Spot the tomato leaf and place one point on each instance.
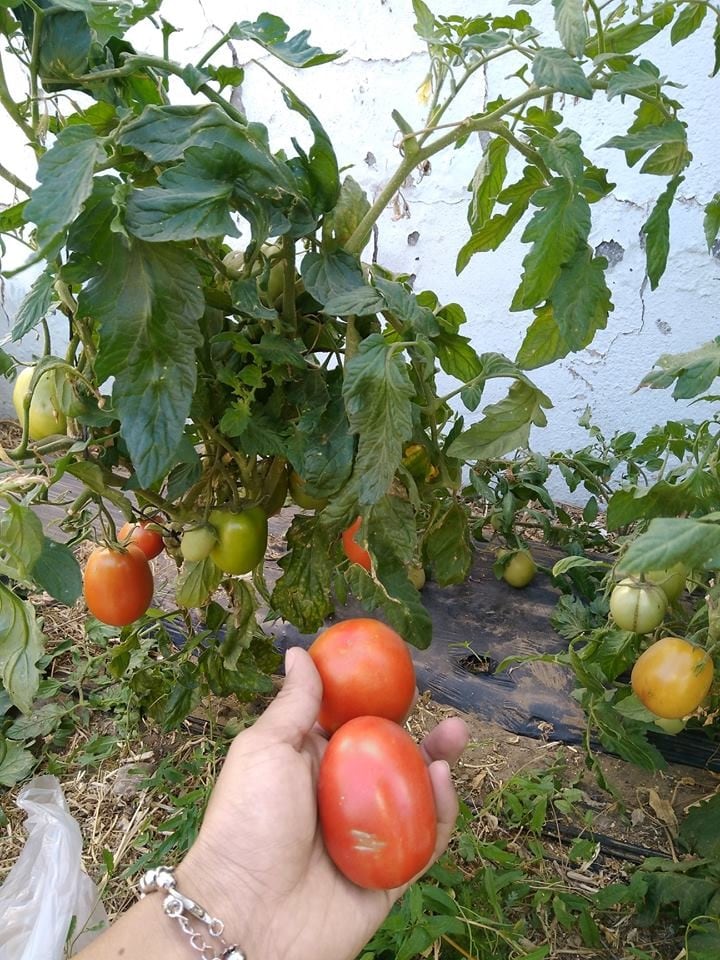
(16, 763)
(321, 448)
(671, 540)
(656, 231)
(487, 183)
(21, 541)
(505, 426)
(196, 583)
(302, 594)
(404, 305)
(659, 500)
(556, 68)
(57, 571)
(271, 33)
(326, 275)
(446, 544)
(147, 301)
(39, 723)
(571, 25)
(694, 371)
(689, 20)
(320, 164)
(581, 299)
(636, 76)
(347, 214)
(35, 304)
(711, 221)
(543, 341)
(697, 833)
(377, 391)
(626, 737)
(92, 476)
(457, 356)
(21, 646)
(65, 173)
(555, 230)
(624, 39)
(13, 217)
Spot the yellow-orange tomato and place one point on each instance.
(672, 677)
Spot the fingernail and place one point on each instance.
(290, 657)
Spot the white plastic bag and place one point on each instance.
(47, 886)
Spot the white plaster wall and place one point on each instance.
(384, 65)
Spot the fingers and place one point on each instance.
(293, 712)
(446, 804)
(446, 741)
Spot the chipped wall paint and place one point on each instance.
(421, 232)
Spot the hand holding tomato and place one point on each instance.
(260, 859)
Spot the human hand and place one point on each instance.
(259, 862)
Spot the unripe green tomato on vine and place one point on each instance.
(637, 606)
(46, 418)
(520, 569)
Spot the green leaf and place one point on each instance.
(57, 571)
(35, 304)
(361, 301)
(94, 479)
(457, 356)
(571, 25)
(581, 299)
(21, 541)
(347, 214)
(656, 231)
(327, 275)
(404, 305)
(689, 20)
(16, 763)
(711, 222)
(637, 76)
(377, 393)
(556, 230)
(191, 200)
(633, 709)
(662, 499)
(625, 38)
(667, 160)
(65, 173)
(716, 41)
(543, 341)
(671, 540)
(700, 830)
(694, 371)
(497, 228)
(196, 583)
(446, 544)
(505, 426)
(487, 183)
(553, 67)
(625, 737)
(646, 137)
(147, 301)
(13, 218)
(21, 646)
(562, 153)
(271, 33)
(38, 723)
(319, 164)
(302, 594)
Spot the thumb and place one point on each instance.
(293, 712)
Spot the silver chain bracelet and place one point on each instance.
(181, 908)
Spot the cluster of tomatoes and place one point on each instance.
(672, 677)
(375, 797)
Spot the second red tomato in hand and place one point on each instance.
(376, 804)
(366, 670)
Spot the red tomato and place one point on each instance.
(366, 670)
(376, 804)
(118, 584)
(149, 541)
(353, 551)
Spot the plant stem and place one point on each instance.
(14, 180)
(598, 25)
(38, 17)
(12, 108)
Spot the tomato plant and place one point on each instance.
(143, 536)
(672, 677)
(376, 804)
(241, 539)
(118, 584)
(46, 416)
(366, 669)
(637, 606)
(354, 551)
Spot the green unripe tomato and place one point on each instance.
(416, 575)
(671, 580)
(671, 726)
(296, 485)
(637, 606)
(242, 539)
(520, 569)
(197, 542)
(46, 417)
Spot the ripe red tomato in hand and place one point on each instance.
(376, 804)
(118, 584)
(149, 541)
(353, 551)
(672, 677)
(366, 670)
